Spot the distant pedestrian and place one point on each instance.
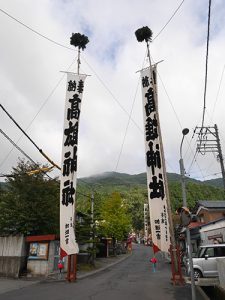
(60, 267)
(153, 261)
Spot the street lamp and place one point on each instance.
(182, 173)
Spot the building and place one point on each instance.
(209, 210)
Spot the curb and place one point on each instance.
(102, 268)
(88, 274)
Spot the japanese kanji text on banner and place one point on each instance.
(74, 92)
(155, 164)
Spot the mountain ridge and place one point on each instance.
(141, 178)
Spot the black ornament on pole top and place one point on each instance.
(144, 34)
(79, 40)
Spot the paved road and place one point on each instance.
(131, 279)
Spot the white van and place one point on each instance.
(204, 263)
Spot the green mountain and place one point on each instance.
(218, 182)
(129, 184)
(115, 178)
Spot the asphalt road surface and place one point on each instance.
(132, 279)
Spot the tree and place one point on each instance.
(115, 221)
(135, 200)
(30, 204)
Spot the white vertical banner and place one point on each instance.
(74, 93)
(155, 164)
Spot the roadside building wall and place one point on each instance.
(12, 255)
(214, 231)
(39, 267)
(207, 216)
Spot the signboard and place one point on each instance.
(74, 93)
(38, 251)
(155, 163)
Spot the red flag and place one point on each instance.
(155, 248)
(62, 253)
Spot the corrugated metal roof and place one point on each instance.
(212, 203)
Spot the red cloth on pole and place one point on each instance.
(155, 249)
(62, 253)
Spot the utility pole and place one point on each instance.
(220, 156)
(184, 197)
(208, 138)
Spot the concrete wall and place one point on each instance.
(12, 255)
(38, 267)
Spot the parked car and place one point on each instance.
(204, 263)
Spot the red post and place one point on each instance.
(68, 267)
(177, 276)
(72, 268)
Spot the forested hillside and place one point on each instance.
(131, 191)
(130, 185)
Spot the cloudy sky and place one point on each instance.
(111, 130)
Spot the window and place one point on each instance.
(220, 251)
(210, 252)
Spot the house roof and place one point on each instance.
(210, 204)
(212, 222)
(195, 224)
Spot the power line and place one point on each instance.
(128, 123)
(114, 98)
(21, 151)
(36, 146)
(17, 147)
(36, 32)
(41, 107)
(206, 63)
(217, 95)
(213, 174)
(169, 20)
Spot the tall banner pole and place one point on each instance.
(153, 73)
(74, 93)
(158, 192)
(156, 180)
(173, 249)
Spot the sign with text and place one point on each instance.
(74, 92)
(155, 164)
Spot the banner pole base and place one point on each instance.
(177, 277)
(72, 268)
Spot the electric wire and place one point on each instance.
(35, 31)
(176, 115)
(21, 151)
(206, 64)
(217, 95)
(36, 146)
(41, 107)
(59, 44)
(169, 20)
(126, 130)
(69, 48)
(17, 147)
(113, 97)
(213, 174)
